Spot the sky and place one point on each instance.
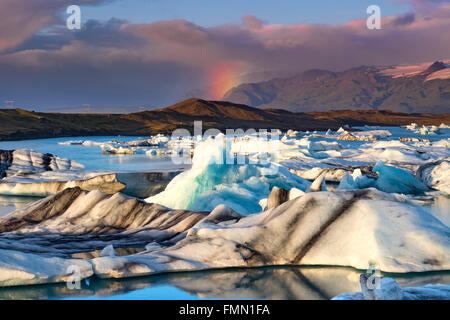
(153, 53)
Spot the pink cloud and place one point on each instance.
(178, 31)
(252, 22)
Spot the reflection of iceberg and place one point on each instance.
(213, 180)
(252, 283)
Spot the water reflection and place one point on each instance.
(299, 283)
(9, 204)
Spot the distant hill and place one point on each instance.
(418, 88)
(20, 124)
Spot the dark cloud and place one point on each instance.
(21, 19)
(404, 19)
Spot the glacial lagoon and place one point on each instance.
(287, 282)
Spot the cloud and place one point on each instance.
(404, 19)
(117, 62)
(177, 31)
(424, 5)
(20, 19)
(252, 22)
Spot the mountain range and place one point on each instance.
(414, 88)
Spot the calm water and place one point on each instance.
(294, 283)
(91, 157)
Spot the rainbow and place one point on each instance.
(223, 76)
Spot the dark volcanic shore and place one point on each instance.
(20, 124)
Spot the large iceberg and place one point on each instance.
(218, 177)
(348, 228)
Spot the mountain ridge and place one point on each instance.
(18, 124)
(359, 88)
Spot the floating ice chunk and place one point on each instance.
(347, 183)
(295, 193)
(108, 251)
(444, 126)
(152, 246)
(221, 213)
(428, 130)
(350, 137)
(293, 134)
(355, 181)
(396, 180)
(18, 268)
(413, 126)
(412, 139)
(89, 143)
(276, 197)
(263, 204)
(318, 184)
(389, 289)
(21, 162)
(436, 175)
(71, 143)
(361, 180)
(111, 149)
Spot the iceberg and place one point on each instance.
(43, 184)
(18, 268)
(389, 289)
(396, 180)
(356, 180)
(215, 179)
(348, 228)
(436, 175)
(355, 228)
(75, 221)
(23, 162)
(428, 130)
